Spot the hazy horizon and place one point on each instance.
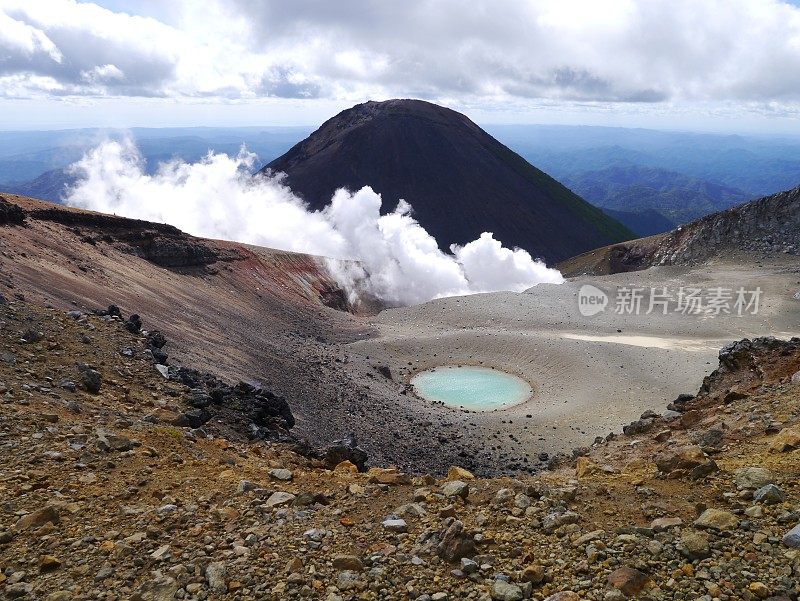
(486, 124)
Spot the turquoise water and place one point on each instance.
(474, 388)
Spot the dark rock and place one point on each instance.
(710, 440)
(247, 408)
(10, 214)
(91, 378)
(134, 324)
(558, 460)
(734, 395)
(156, 339)
(31, 336)
(769, 495)
(159, 356)
(112, 311)
(640, 426)
(192, 419)
(346, 449)
(199, 398)
(18, 590)
(161, 244)
(335, 297)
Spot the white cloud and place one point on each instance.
(495, 50)
(102, 74)
(217, 198)
(19, 37)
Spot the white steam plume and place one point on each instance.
(399, 262)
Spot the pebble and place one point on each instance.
(281, 474)
(395, 525)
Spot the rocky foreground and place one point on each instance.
(123, 479)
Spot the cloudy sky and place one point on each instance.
(726, 65)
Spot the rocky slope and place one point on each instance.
(272, 318)
(767, 225)
(460, 181)
(108, 493)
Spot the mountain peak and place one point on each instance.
(460, 181)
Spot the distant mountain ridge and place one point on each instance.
(459, 179)
(50, 185)
(643, 190)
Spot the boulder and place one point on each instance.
(277, 499)
(629, 581)
(346, 467)
(751, 478)
(193, 418)
(787, 439)
(459, 473)
(586, 467)
(392, 476)
(456, 488)
(108, 442)
(215, 575)
(792, 538)
(694, 545)
(455, 543)
(503, 496)
(769, 495)
(38, 518)
(91, 378)
(346, 449)
(717, 519)
(156, 339)
(640, 426)
(555, 520)
(505, 591)
(711, 440)
(133, 324)
(688, 461)
(156, 588)
(534, 573)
